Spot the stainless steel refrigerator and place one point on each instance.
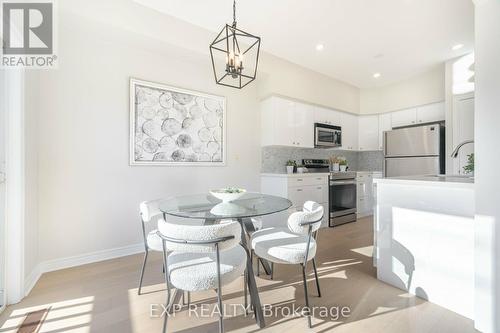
(411, 151)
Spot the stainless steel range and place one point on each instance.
(342, 191)
(342, 197)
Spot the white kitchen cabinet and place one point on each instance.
(326, 116)
(287, 123)
(404, 117)
(384, 124)
(365, 193)
(298, 188)
(368, 132)
(430, 113)
(304, 125)
(349, 124)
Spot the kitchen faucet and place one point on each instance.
(454, 154)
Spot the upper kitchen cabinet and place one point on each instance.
(349, 124)
(430, 113)
(368, 132)
(326, 116)
(420, 115)
(287, 123)
(404, 117)
(384, 124)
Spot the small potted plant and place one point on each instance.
(343, 165)
(334, 164)
(290, 166)
(469, 168)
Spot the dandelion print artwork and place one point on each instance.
(172, 126)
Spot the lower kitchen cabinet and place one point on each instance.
(365, 192)
(298, 188)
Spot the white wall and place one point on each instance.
(88, 194)
(31, 118)
(280, 77)
(487, 183)
(425, 88)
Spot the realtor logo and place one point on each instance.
(28, 32)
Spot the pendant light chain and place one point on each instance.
(234, 13)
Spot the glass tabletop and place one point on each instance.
(206, 206)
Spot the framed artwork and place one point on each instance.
(172, 126)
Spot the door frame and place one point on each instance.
(13, 106)
(456, 100)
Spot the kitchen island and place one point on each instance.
(424, 238)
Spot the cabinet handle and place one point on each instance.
(299, 190)
(319, 188)
(299, 179)
(318, 178)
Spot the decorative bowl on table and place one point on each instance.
(228, 194)
(226, 209)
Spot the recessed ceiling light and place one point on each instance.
(376, 75)
(457, 47)
(319, 47)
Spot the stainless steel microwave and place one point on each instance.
(327, 136)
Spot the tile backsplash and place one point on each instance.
(275, 157)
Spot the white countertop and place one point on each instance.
(430, 180)
(310, 174)
(307, 174)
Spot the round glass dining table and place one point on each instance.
(210, 209)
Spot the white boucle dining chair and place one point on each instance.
(294, 244)
(202, 258)
(150, 215)
(150, 212)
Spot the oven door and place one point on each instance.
(327, 136)
(342, 200)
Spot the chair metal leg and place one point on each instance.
(219, 291)
(258, 266)
(306, 296)
(316, 276)
(245, 291)
(272, 270)
(167, 302)
(142, 271)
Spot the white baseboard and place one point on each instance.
(83, 259)
(32, 279)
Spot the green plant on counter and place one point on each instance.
(291, 163)
(343, 162)
(469, 168)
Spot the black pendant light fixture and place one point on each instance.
(235, 55)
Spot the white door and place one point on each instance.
(463, 129)
(368, 132)
(404, 117)
(430, 113)
(384, 124)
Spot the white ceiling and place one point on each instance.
(397, 38)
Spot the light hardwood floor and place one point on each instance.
(102, 297)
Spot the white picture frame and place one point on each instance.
(171, 126)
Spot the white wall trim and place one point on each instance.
(87, 258)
